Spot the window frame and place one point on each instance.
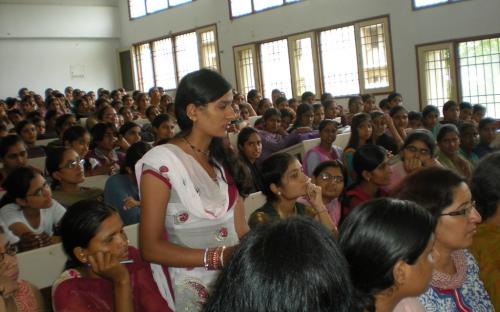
(385, 19)
(231, 17)
(416, 8)
(294, 72)
(158, 11)
(255, 65)
(136, 63)
(422, 86)
(455, 70)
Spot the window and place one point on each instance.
(208, 46)
(275, 67)
(165, 61)
(246, 66)
(426, 3)
(339, 60)
(245, 7)
(303, 57)
(186, 52)
(139, 8)
(344, 61)
(145, 70)
(163, 58)
(461, 71)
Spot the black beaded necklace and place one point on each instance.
(194, 148)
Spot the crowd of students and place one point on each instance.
(384, 224)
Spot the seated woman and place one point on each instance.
(304, 118)
(275, 139)
(272, 260)
(50, 123)
(319, 115)
(284, 183)
(399, 116)
(381, 122)
(62, 123)
(77, 138)
(287, 118)
(103, 273)
(418, 152)
(469, 138)
(102, 157)
(65, 167)
(325, 150)
(249, 150)
(388, 245)
(329, 175)
(430, 119)
(361, 134)
(163, 127)
(27, 131)
(147, 129)
(486, 192)
(330, 109)
(107, 114)
(16, 294)
(373, 174)
(448, 155)
(455, 284)
(13, 155)
(28, 210)
(128, 134)
(121, 190)
(141, 104)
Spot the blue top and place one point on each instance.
(117, 188)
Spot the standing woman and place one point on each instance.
(190, 188)
(361, 134)
(455, 284)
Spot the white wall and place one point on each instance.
(41, 41)
(409, 28)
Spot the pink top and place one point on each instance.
(397, 175)
(410, 304)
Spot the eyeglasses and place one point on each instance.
(10, 250)
(462, 212)
(40, 191)
(74, 164)
(421, 151)
(330, 178)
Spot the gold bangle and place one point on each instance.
(321, 211)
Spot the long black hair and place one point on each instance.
(200, 88)
(17, 184)
(356, 122)
(80, 224)
(292, 265)
(375, 236)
